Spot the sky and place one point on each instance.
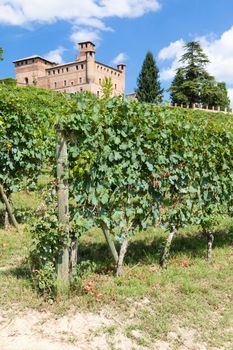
(123, 31)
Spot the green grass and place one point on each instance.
(191, 292)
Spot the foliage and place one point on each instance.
(27, 135)
(126, 174)
(176, 91)
(48, 240)
(215, 94)
(148, 84)
(85, 268)
(1, 54)
(8, 81)
(193, 84)
(109, 165)
(47, 234)
(45, 280)
(107, 88)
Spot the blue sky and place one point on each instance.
(124, 30)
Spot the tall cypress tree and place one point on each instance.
(148, 84)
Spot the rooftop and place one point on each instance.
(31, 57)
(86, 42)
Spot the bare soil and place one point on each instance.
(34, 330)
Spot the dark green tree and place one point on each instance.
(193, 84)
(148, 84)
(176, 91)
(190, 76)
(215, 93)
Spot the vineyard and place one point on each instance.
(121, 166)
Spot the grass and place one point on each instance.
(191, 292)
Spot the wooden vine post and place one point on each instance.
(63, 206)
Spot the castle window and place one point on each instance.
(53, 71)
(62, 70)
(26, 62)
(81, 89)
(58, 71)
(115, 73)
(26, 81)
(64, 82)
(55, 85)
(76, 67)
(99, 80)
(80, 80)
(111, 72)
(72, 83)
(115, 86)
(49, 72)
(82, 66)
(67, 69)
(33, 60)
(86, 45)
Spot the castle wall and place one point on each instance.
(29, 70)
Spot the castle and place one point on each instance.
(83, 74)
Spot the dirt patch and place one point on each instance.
(34, 330)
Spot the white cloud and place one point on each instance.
(94, 23)
(220, 53)
(55, 55)
(230, 94)
(172, 52)
(121, 58)
(88, 15)
(80, 35)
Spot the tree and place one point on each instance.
(106, 87)
(177, 94)
(189, 77)
(215, 93)
(148, 84)
(1, 53)
(193, 84)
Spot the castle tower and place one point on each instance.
(87, 52)
(121, 68)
